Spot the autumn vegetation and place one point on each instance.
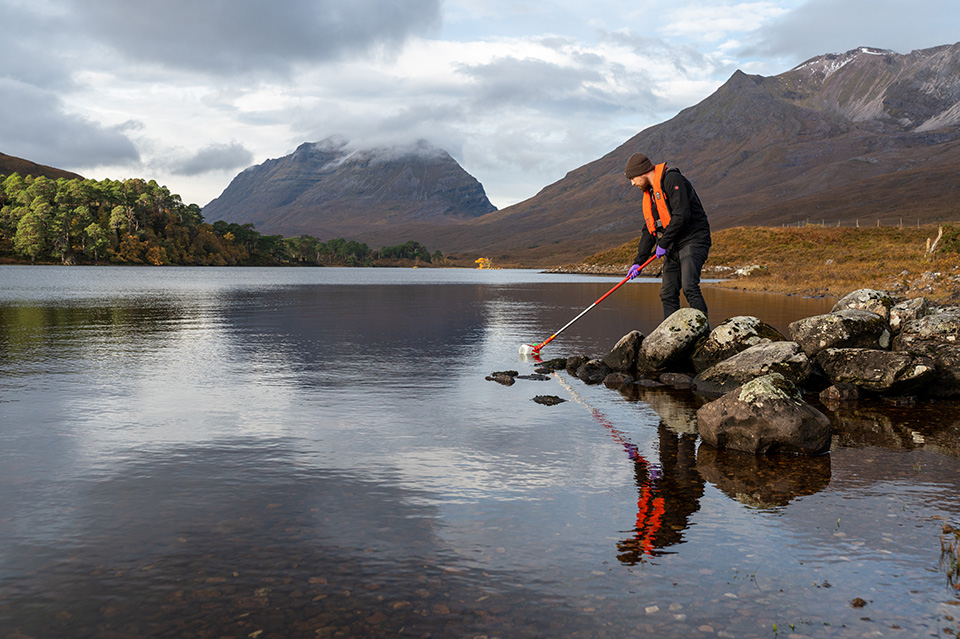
(823, 260)
(83, 221)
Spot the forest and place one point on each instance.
(135, 221)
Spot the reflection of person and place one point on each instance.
(668, 495)
(675, 227)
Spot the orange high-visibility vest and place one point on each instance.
(663, 213)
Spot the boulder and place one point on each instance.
(785, 358)
(574, 362)
(731, 337)
(906, 311)
(936, 336)
(866, 299)
(673, 340)
(847, 328)
(876, 370)
(593, 372)
(765, 415)
(623, 357)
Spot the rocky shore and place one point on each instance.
(755, 387)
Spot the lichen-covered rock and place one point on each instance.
(847, 328)
(623, 357)
(876, 370)
(866, 299)
(673, 340)
(731, 337)
(907, 311)
(593, 372)
(936, 336)
(785, 358)
(766, 415)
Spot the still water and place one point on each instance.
(316, 453)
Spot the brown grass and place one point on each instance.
(816, 260)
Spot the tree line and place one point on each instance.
(140, 222)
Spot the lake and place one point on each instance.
(246, 452)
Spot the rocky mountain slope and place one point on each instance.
(863, 136)
(327, 189)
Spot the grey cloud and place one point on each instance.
(34, 126)
(528, 82)
(31, 47)
(216, 157)
(239, 36)
(835, 26)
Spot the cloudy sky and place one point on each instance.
(191, 92)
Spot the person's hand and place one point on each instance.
(661, 251)
(634, 271)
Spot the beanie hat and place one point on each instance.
(638, 164)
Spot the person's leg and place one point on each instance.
(670, 287)
(691, 259)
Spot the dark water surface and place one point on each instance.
(315, 453)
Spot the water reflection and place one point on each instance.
(763, 481)
(669, 493)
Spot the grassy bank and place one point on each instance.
(816, 260)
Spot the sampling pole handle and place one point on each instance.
(536, 349)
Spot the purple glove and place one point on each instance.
(634, 271)
(661, 251)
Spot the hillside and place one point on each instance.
(867, 135)
(10, 165)
(817, 260)
(330, 189)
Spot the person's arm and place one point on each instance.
(645, 246)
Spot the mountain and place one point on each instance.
(329, 189)
(10, 165)
(864, 135)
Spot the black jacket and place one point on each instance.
(688, 220)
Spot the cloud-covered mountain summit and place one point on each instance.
(330, 188)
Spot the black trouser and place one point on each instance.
(681, 271)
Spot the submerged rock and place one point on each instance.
(765, 415)
(616, 380)
(841, 392)
(548, 400)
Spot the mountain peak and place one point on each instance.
(336, 187)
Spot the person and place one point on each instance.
(675, 227)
